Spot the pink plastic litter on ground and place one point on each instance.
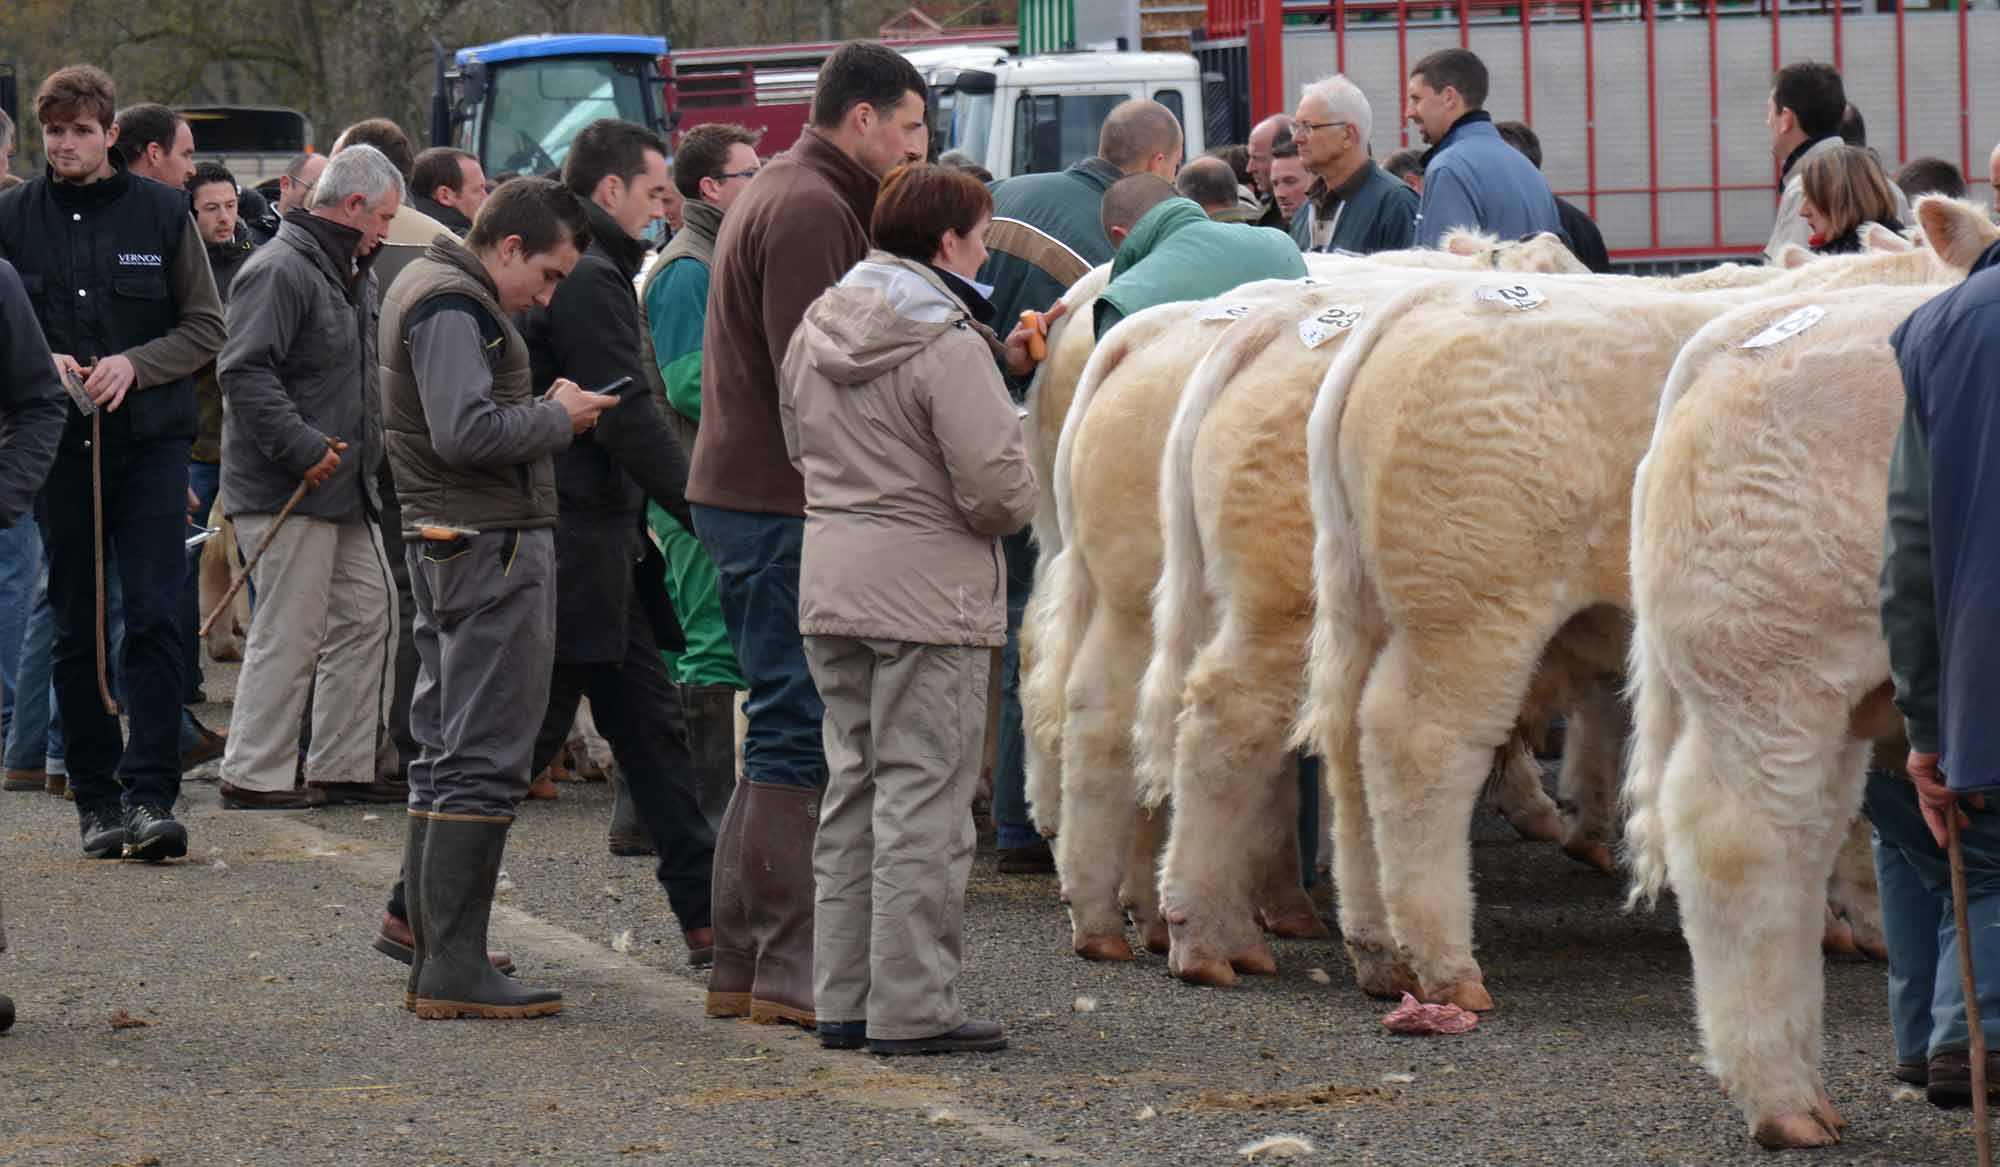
(1418, 1019)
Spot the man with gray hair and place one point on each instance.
(300, 381)
(1353, 204)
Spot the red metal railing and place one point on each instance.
(1257, 21)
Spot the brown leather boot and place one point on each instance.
(779, 823)
(734, 951)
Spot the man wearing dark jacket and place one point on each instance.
(128, 305)
(31, 402)
(1472, 179)
(1942, 552)
(798, 228)
(1586, 242)
(448, 185)
(1353, 205)
(612, 612)
(299, 376)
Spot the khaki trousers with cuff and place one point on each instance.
(324, 623)
(904, 730)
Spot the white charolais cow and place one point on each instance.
(1758, 661)
(1236, 586)
(1471, 459)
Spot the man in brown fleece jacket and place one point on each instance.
(792, 234)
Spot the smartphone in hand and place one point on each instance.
(622, 388)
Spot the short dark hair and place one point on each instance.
(863, 73)
(609, 148)
(297, 166)
(1285, 146)
(919, 202)
(206, 173)
(542, 211)
(704, 153)
(77, 93)
(1459, 69)
(1238, 157)
(147, 124)
(1813, 92)
(387, 137)
(436, 167)
(1853, 127)
(1404, 163)
(1130, 199)
(1522, 138)
(1208, 181)
(1922, 176)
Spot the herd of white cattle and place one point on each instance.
(1403, 512)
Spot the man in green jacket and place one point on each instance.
(1169, 250)
(1353, 204)
(713, 165)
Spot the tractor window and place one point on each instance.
(535, 108)
(1051, 131)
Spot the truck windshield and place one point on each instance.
(964, 121)
(537, 107)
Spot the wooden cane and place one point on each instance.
(1982, 1124)
(236, 585)
(97, 532)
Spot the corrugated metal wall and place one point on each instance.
(1686, 220)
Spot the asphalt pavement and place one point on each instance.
(228, 1010)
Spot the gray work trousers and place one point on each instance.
(485, 630)
(905, 730)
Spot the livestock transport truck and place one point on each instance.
(518, 103)
(1650, 112)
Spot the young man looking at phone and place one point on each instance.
(613, 620)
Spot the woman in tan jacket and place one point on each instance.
(914, 465)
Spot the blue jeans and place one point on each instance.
(757, 578)
(20, 571)
(1926, 998)
(1010, 777)
(205, 479)
(145, 533)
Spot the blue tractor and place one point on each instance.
(517, 103)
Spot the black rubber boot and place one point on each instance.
(710, 712)
(453, 977)
(626, 837)
(413, 901)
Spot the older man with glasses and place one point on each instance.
(1353, 205)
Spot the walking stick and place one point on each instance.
(236, 585)
(1982, 1122)
(72, 384)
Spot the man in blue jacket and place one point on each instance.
(1942, 552)
(1472, 178)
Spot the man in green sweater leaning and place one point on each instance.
(713, 165)
(1170, 250)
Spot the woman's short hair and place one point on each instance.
(1846, 183)
(920, 202)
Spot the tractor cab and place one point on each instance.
(517, 104)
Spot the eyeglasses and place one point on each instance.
(726, 175)
(1315, 127)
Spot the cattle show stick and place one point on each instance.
(236, 585)
(1982, 1119)
(97, 559)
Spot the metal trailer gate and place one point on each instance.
(1651, 113)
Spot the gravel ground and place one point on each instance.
(268, 1032)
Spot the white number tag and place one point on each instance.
(1317, 329)
(1226, 312)
(1787, 328)
(1519, 297)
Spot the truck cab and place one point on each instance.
(517, 104)
(1032, 115)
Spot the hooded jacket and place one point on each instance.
(1177, 253)
(913, 459)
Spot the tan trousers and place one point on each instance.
(325, 621)
(904, 729)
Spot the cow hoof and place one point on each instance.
(1157, 936)
(1216, 974)
(1838, 939)
(1591, 855)
(1295, 925)
(1799, 1129)
(1256, 959)
(1104, 948)
(1384, 978)
(1829, 1117)
(1538, 828)
(1872, 947)
(1468, 995)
